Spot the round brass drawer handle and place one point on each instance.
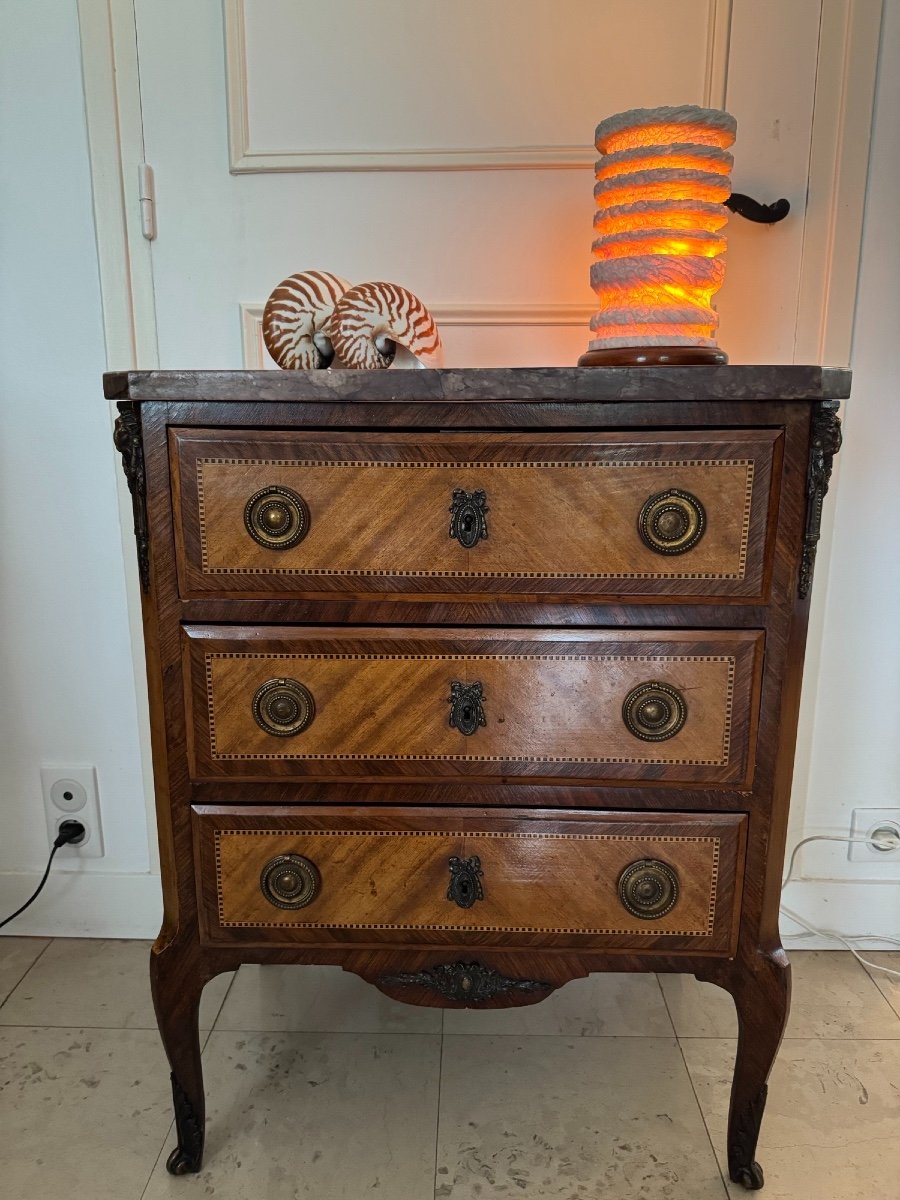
(277, 517)
(290, 881)
(672, 522)
(648, 888)
(283, 707)
(654, 712)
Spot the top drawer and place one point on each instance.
(661, 514)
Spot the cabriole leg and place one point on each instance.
(761, 991)
(177, 982)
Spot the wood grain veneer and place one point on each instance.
(553, 877)
(562, 511)
(553, 702)
(557, 613)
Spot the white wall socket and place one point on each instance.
(868, 821)
(70, 793)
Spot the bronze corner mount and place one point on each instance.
(127, 438)
(824, 443)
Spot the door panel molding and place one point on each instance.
(247, 158)
(576, 316)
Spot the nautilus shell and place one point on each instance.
(372, 319)
(297, 320)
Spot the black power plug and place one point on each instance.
(70, 833)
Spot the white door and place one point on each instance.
(448, 146)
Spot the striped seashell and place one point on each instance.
(372, 319)
(297, 320)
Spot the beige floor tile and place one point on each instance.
(17, 954)
(83, 1113)
(95, 983)
(698, 1009)
(616, 1004)
(571, 1119)
(830, 1130)
(330, 1116)
(888, 985)
(833, 997)
(323, 999)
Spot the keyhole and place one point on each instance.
(467, 712)
(464, 886)
(467, 523)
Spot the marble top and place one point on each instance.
(520, 384)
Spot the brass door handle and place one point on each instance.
(283, 707)
(648, 888)
(276, 517)
(468, 520)
(290, 881)
(672, 522)
(466, 707)
(654, 712)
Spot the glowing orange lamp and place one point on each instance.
(662, 180)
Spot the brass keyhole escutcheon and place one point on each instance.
(672, 522)
(466, 707)
(290, 881)
(276, 517)
(648, 888)
(465, 881)
(468, 517)
(654, 712)
(283, 707)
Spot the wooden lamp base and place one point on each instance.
(655, 356)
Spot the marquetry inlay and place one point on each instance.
(295, 749)
(655, 844)
(667, 569)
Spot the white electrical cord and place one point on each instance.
(811, 931)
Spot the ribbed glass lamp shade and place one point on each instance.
(662, 179)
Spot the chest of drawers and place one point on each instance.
(475, 682)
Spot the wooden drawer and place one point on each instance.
(269, 513)
(636, 705)
(406, 875)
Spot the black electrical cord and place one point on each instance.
(69, 831)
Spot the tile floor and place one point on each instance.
(319, 1086)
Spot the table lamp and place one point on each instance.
(662, 181)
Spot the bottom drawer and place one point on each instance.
(456, 877)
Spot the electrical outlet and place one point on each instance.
(882, 824)
(70, 793)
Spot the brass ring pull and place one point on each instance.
(672, 522)
(654, 712)
(466, 707)
(277, 517)
(283, 707)
(290, 881)
(468, 520)
(648, 888)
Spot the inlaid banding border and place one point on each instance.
(453, 573)
(653, 839)
(723, 761)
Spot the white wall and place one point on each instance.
(67, 692)
(855, 761)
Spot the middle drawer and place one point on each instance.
(637, 705)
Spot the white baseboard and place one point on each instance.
(83, 904)
(97, 904)
(866, 906)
